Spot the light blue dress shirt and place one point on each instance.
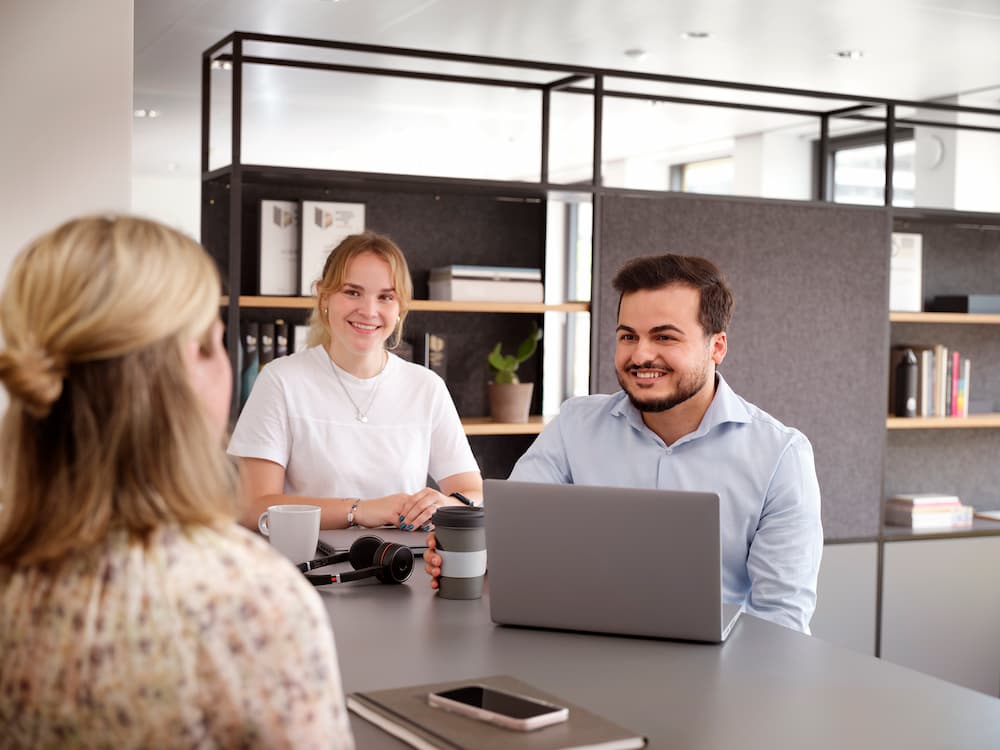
(763, 472)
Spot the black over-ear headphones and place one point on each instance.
(369, 556)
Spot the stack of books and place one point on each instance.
(922, 511)
(486, 284)
(942, 381)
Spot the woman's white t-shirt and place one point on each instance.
(299, 416)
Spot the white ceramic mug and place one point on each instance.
(292, 529)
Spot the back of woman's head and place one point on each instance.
(104, 430)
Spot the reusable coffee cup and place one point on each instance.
(292, 529)
(461, 542)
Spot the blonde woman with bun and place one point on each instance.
(348, 425)
(134, 612)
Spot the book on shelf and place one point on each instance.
(922, 517)
(266, 343)
(435, 354)
(280, 338)
(279, 248)
(406, 714)
(963, 389)
(497, 273)
(924, 498)
(943, 380)
(323, 225)
(250, 360)
(940, 375)
(925, 381)
(486, 290)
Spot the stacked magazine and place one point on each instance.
(486, 284)
(923, 511)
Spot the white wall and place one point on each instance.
(775, 164)
(176, 201)
(66, 128)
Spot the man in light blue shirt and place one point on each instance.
(676, 424)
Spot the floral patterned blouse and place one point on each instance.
(200, 639)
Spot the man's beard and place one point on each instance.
(688, 386)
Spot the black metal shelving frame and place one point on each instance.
(564, 78)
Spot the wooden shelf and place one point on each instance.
(937, 317)
(486, 426)
(500, 307)
(941, 423)
(423, 305)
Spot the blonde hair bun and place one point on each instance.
(32, 376)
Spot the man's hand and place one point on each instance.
(432, 560)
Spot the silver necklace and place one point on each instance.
(359, 414)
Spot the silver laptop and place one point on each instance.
(608, 560)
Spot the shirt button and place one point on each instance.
(670, 451)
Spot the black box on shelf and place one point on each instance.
(967, 303)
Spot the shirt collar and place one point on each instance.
(726, 407)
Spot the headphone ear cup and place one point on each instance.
(394, 561)
(362, 553)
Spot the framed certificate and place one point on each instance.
(324, 226)
(279, 248)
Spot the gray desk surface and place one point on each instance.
(767, 687)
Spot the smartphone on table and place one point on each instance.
(499, 707)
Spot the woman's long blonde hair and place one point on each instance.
(104, 430)
(335, 269)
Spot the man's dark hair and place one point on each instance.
(715, 309)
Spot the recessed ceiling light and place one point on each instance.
(695, 35)
(150, 113)
(849, 54)
(636, 53)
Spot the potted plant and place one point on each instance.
(510, 399)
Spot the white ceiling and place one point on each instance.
(912, 49)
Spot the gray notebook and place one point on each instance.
(406, 714)
(609, 560)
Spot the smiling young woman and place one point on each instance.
(346, 424)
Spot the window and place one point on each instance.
(857, 168)
(711, 176)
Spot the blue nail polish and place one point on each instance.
(402, 527)
(409, 527)
(401, 518)
(425, 527)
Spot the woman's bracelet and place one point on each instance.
(350, 514)
(463, 498)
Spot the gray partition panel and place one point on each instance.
(809, 337)
(845, 596)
